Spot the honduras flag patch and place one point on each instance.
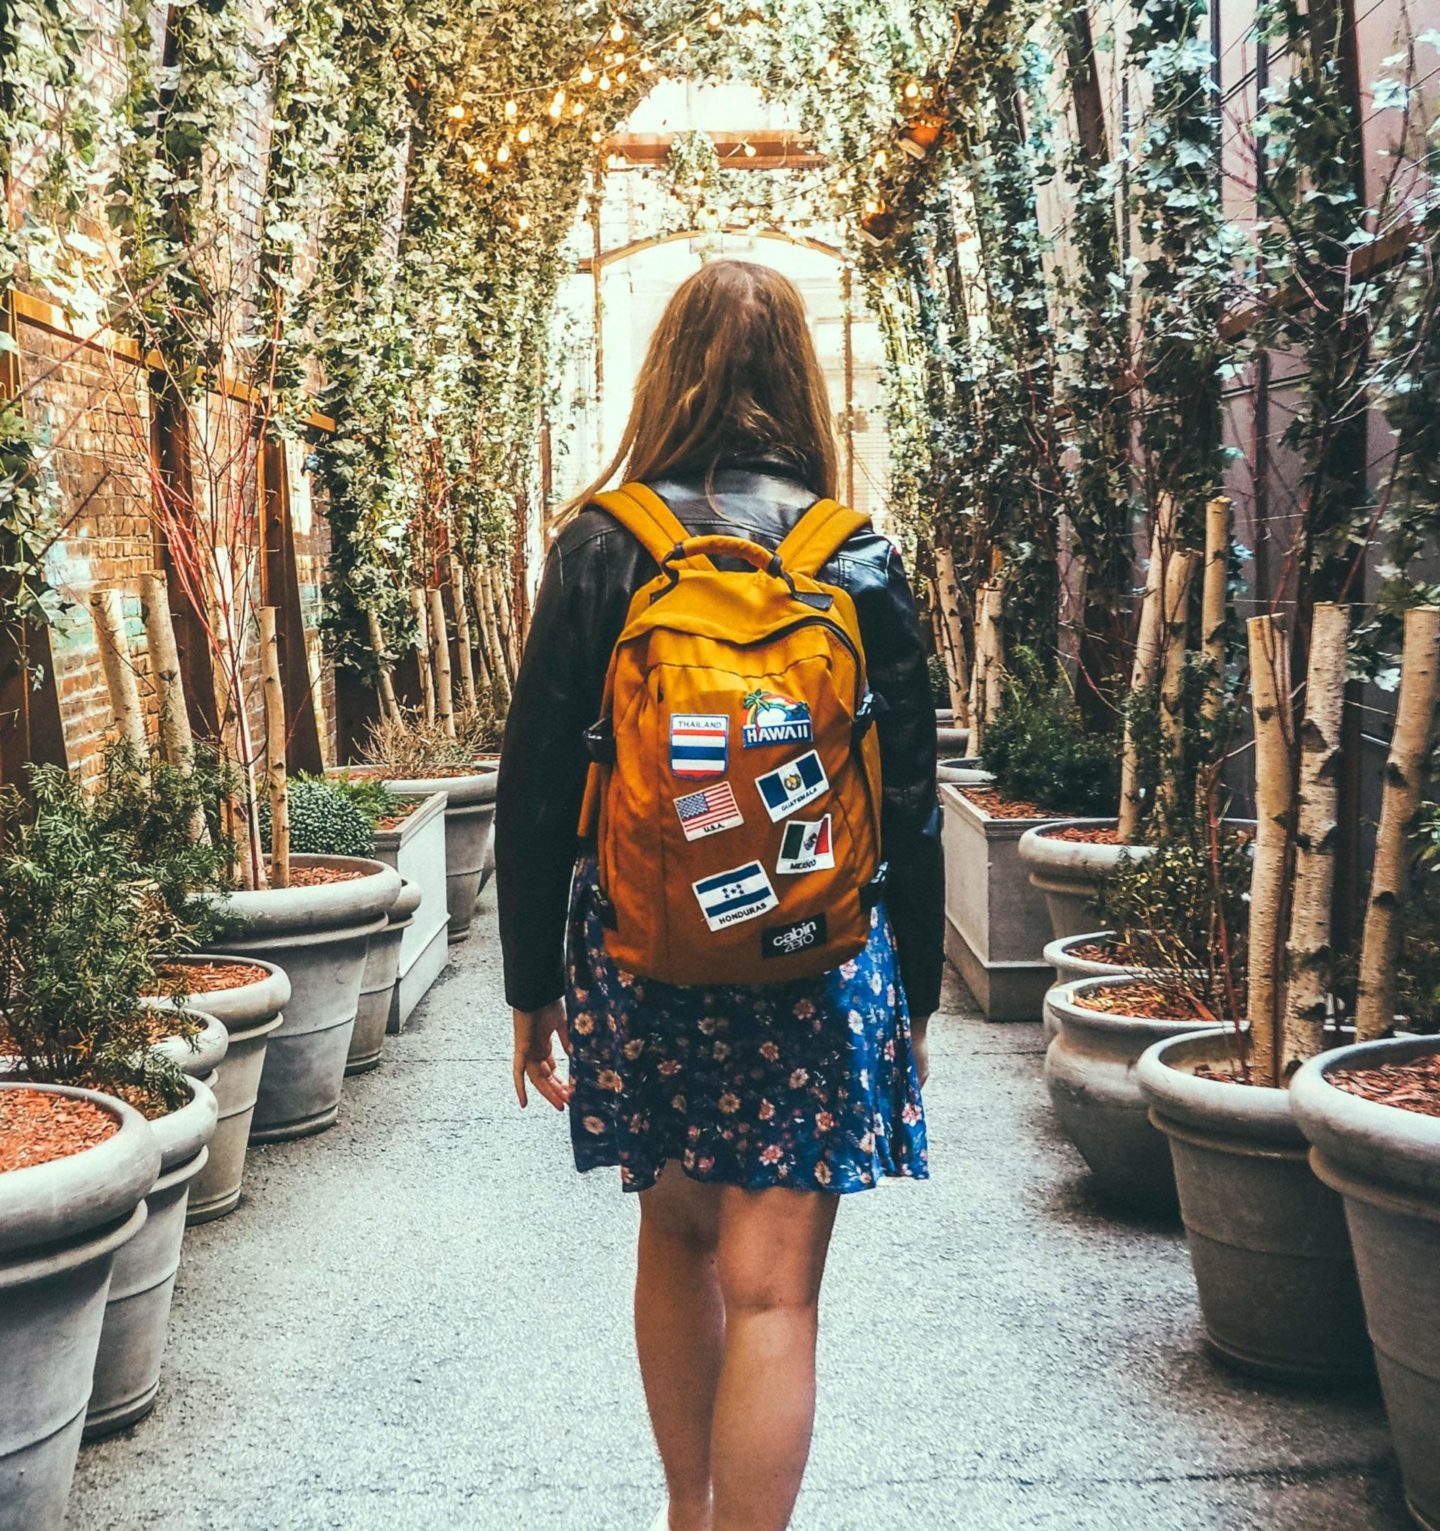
(699, 743)
(788, 788)
(727, 898)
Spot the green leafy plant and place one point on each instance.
(1039, 747)
(331, 816)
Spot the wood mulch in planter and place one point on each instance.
(36, 1127)
(1111, 953)
(319, 877)
(1141, 1001)
(990, 801)
(404, 807)
(1408, 1086)
(208, 977)
(1086, 834)
(163, 1024)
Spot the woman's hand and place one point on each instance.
(535, 1053)
(920, 1047)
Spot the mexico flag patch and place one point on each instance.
(806, 847)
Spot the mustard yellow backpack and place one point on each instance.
(735, 785)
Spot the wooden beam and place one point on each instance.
(588, 264)
(774, 149)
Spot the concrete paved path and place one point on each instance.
(420, 1320)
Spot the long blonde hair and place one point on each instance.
(731, 367)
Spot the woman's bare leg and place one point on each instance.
(680, 1334)
(771, 1258)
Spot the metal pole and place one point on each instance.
(847, 294)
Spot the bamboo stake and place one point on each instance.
(275, 774)
(1274, 812)
(1143, 671)
(177, 746)
(1212, 606)
(388, 701)
(1410, 746)
(1308, 952)
(107, 610)
(462, 632)
(947, 596)
(440, 661)
(1174, 621)
(422, 656)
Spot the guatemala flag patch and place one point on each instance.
(787, 789)
(739, 894)
(699, 743)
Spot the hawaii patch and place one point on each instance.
(788, 788)
(742, 893)
(806, 847)
(708, 811)
(699, 743)
(774, 719)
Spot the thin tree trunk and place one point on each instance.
(468, 695)
(1175, 621)
(440, 661)
(990, 661)
(1144, 671)
(422, 654)
(177, 747)
(957, 669)
(388, 700)
(505, 616)
(1212, 608)
(1274, 812)
(1309, 951)
(276, 783)
(498, 666)
(107, 609)
(977, 700)
(1404, 783)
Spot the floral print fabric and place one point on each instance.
(809, 1084)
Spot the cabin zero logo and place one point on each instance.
(786, 940)
(774, 719)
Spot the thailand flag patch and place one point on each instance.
(699, 743)
(806, 847)
(787, 789)
(742, 893)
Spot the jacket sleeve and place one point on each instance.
(910, 819)
(542, 779)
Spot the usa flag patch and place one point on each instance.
(708, 811)
(699, 743)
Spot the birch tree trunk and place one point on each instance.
(989, 662)
(1212, 606)
(1309, 954)
(177, 746)
(1175, 621)
(1404, 783)
(957, 669)
(276, 782)
(422, 655)
(499, 667)
(389, 703)
(1144, 671)
(440, 662)
(505, 617)
(1274, 812)
(462, 632)
(107, 610)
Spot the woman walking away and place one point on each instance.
(718, 866)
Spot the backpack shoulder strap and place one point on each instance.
(818, 535)
(647, 518)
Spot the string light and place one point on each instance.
(457, 113)
(911, 90)
(558, 104)
(682, 43)
(714, 19)
(647, 65)
(502, 155)
(620, 76)
(523, 222)
(617, 31)
(586, 74)
(512, 111)
(577, 108)
(524, 135)
(748, 149)
(604, 82)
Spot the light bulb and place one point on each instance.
(523, 222)
(911, 90)
(681, 43)
(586, 74)
(457, 112)
(524, 135)
(512, 111)
(604, 82)
(596, 136)
(646, 65)
(557, 105)
(502, 155)
(714, 19)
(577, 108)
(620, 76)
(617, 31)
(479, 166)
(748, 149)
(881, 159)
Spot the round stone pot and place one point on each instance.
(950, 740)
(319, 936)
(469, 812)
(377, 985)
(1069, 872)
(199, 1056)
(1267, 1239)
(1385, 1163)
(1090, 1074)
(137, 1311)
(1070, 968)
(250, 1013)
(61, 1225)
(962, 771)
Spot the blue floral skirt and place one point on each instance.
(809, 1084)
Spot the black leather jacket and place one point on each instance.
(593, 570)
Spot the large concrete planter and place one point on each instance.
(199, 1056)
(1069, 872)
(1268, 1243)
(961, 771)
(1090, 1074)
(1385, 1163)
(996, 925)
(250, 1013)
(416, 849)
(320, 936)
(1069, 968)
(469, 813)
(377, 986)
(137, 1310)
(61, 1225)
(950, 740)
